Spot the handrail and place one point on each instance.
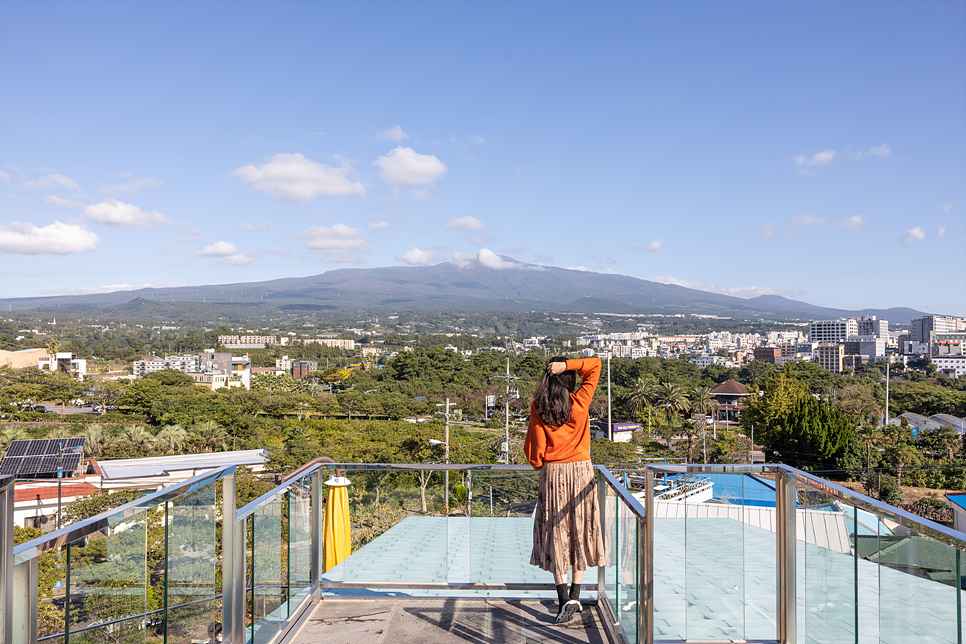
(628, 499)
(70, 533)
(253, 506)
(381, 467)
(852, 497)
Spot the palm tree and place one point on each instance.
(138, 436)
(643, 394)
(690, 430)
(52, 346)
(672, 398)
(901, 455)
(702, 400)
(96, 439)
(210, 435)
(171, 438)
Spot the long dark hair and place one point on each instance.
(553, 396)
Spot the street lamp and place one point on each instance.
(60, 470)
(445, 444)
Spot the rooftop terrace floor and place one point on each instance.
(445, 621)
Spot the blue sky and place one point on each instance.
(811, 149)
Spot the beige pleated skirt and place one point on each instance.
(566, 526)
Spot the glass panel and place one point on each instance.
(134, 630)
(108, 578)
(52, 578)
(627, 571)
(919, 585)
(670, 593)
(300, 542)
(193, 622)
(610, 532)
(459, 538)
(714, 555)
(758, 515)
(826, 562)
(191, 563)
(502, 529)
(267, 581)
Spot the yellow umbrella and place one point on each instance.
(336, 538)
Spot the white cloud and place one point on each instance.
(417, 257)
(378, 225)
(588, 269)
(768, 230)
(4, 177)
(465, 223)
(942, 231)
(63, 203)
(819, 158)
(255, 227)
(912, 236)
(945, 207)
(405, 166)
(491, 260)
(808, 219)
(463, 259)
(218, 249)
(655, 245)
(339, 243)
(735, 291)
(117, 213)
(56, 239)
(53, 181)
(295, 179)
(133, 185)
(238, 259)
(394, 133)
(880, 150)
(420, 194)
(853, 222)
(478, 139)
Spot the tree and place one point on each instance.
(672, 398)
(643, 394)
(943, 440)
(901, 455)
(689, 429)
(140, 438)
(108, 394)
(171, 438)
(96, 439)
(209, 436)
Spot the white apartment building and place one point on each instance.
(183, 364)
(66, 362)
(263, 340)
(870, 325)
(333, 343)
(824, 331)
(950, 365)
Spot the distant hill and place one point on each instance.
(514, 287)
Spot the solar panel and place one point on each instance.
(74, 442)
(10, 466)
(17, 448)
(37, 448)
(71, 462)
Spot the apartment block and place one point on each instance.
(302, 368)
(823, 331)
(183, 364)
(333, 343)
(767, 354)
(870, 325)
(831, 356)
(950, 365)
(247, 340)
(921, 328)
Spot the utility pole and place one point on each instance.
(887, 394)
(610, 427)
(704, 440)
(505, 448)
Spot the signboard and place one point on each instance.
(626, 427)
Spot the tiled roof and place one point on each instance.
(731, 388)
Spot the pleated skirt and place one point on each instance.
(566, 526)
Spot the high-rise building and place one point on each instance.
(831, 356)
(922, 327)
(870, 325)
(832, 330)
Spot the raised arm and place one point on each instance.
(535, 445)
(589, 371)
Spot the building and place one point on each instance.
(922, 327)
(23, 358)
(248, 341)
(65, 362)
(767, 354)
(333, 343)
(210, 360)
(831, 356)
(241, 371)
(730, 395)
(867, 345)
(832, 330)
(950, 365)
(210, 379)
(870, 325)
(184, 364)
(302, 368)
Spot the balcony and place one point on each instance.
(776, 555)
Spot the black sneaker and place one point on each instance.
(567, 611)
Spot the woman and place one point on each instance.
(566, 529)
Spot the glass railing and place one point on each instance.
(713, 553)
(145, 571)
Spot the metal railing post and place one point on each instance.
(24, 591)
(6, 560)
(239, 593)
(645, 564)
(787, 551)
(318, 517)
(227, 555)
(602, 504)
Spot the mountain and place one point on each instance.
(513, 286)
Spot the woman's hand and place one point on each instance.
(556, 368)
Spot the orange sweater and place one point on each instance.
(571, 442)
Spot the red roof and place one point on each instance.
(730, 388)
(68, 490)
